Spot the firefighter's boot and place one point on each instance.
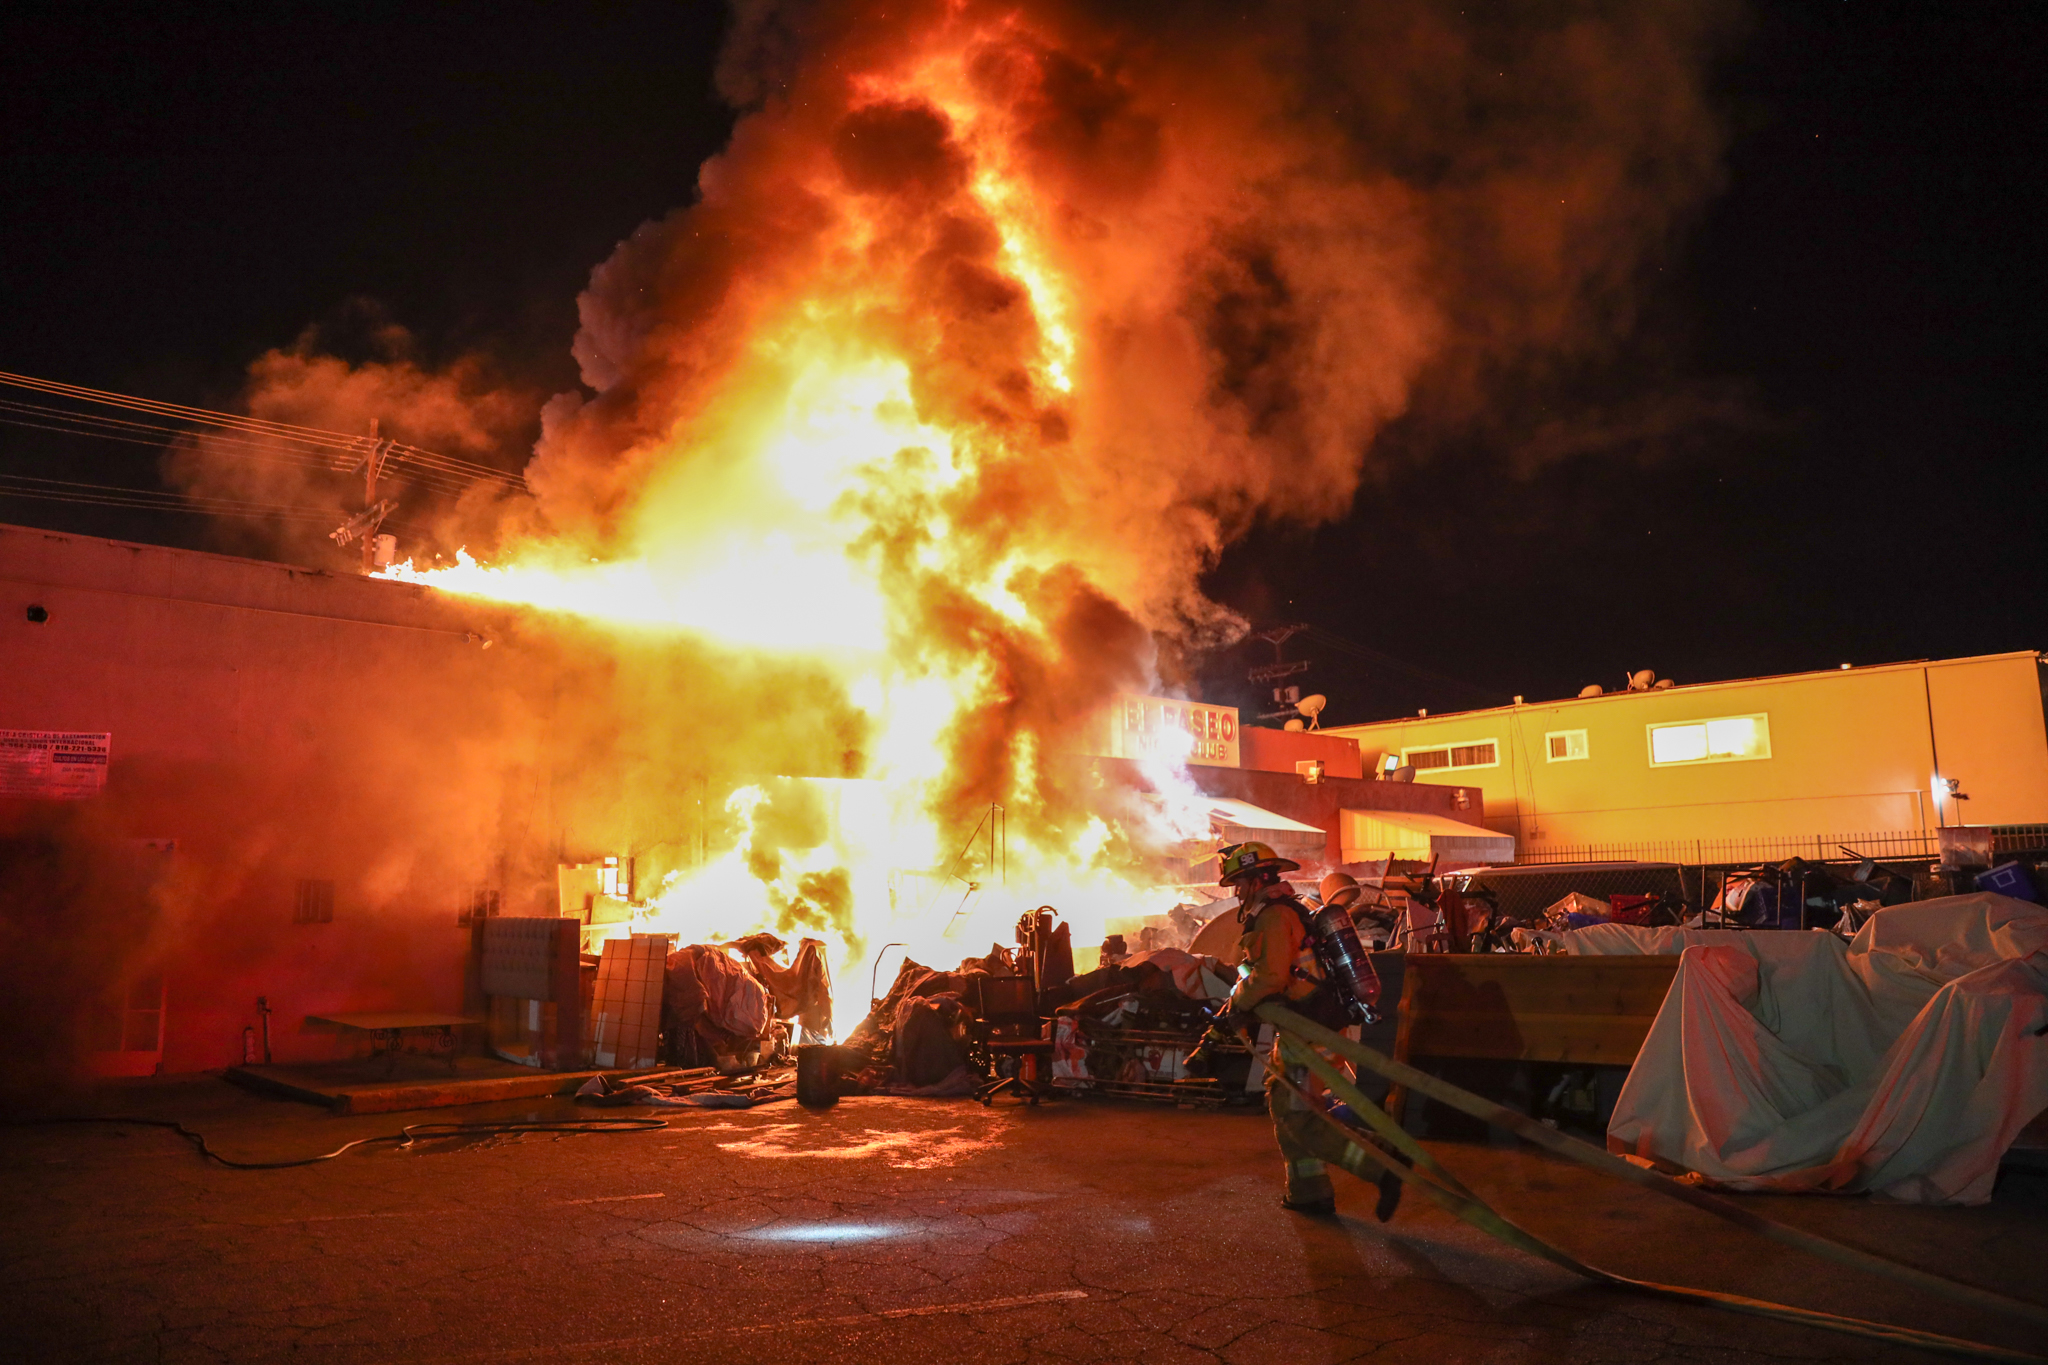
(1308, 1188)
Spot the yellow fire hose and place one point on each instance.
(1429, 1176)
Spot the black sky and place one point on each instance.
(1823, 448)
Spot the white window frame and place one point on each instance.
(1763, 719)
(1585, 746)
(1453, 767)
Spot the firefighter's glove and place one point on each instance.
(1220, 1034)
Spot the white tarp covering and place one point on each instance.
(1903, 1062)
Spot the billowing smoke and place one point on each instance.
(1156, 272)
(996, 322)
(463, 409)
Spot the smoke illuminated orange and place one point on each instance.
(811, 493)
(994, 323)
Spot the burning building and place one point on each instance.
(301, 789)
(899, 456)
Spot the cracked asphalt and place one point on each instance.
(893, 1231)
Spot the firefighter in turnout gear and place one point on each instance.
(1280, 962)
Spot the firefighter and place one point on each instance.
(1279, 962)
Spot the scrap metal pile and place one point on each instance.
(739, 1027)
(1535, 908)
(1124, 1028)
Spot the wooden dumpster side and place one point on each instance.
(1517, 1007)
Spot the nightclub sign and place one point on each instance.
(1164, 728)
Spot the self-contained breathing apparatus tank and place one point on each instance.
(1345, 964)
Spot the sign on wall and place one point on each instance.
(1163, 728)
(62, 765)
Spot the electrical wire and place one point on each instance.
(405, 1137)
(135, 499)
(66, 490)
(38, 418)
(315, 436)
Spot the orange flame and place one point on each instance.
(837, 492)
(995, 322)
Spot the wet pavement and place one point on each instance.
(897, 1231)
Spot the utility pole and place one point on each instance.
(1281, 667)
(363, 525)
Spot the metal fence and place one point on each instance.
(2018, 838)
(1904, 845)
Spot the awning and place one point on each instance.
(1236, 821)
(1368, 835)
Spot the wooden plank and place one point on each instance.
(308, 1085)
(394, 1020)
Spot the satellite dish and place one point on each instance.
(1404, 773)
(1311, 706)
(1592, 690)
(1294, 726)
(1642, 681)
(1663, 683)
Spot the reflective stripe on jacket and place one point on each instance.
(1279, 954)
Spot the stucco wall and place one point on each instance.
(1851, 751)
(279, 725)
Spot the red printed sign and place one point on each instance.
(1173, 730)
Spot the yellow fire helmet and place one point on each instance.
(1238, 861)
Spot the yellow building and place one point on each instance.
(1876, 758)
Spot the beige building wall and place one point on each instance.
(1851, 752)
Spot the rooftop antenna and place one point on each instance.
(1312, 706)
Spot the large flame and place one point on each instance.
(815, 500)
(993, 324)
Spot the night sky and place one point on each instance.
(1822, 447)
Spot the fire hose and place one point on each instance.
(1306, 1043)
(404, 1137)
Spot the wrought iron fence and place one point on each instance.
(1901, 844)
(2018, 838)
(1904, 845)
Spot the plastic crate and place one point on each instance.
(2009, 879)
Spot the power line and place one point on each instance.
(142, 499)
(258, 451)
(341, 447)
(321, 456)
(29, 484)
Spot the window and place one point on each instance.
(314, 903)
(482, 905)
(1727, 739)
(1563, 746)
(1479, 754)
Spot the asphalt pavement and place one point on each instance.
(890, 1231)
